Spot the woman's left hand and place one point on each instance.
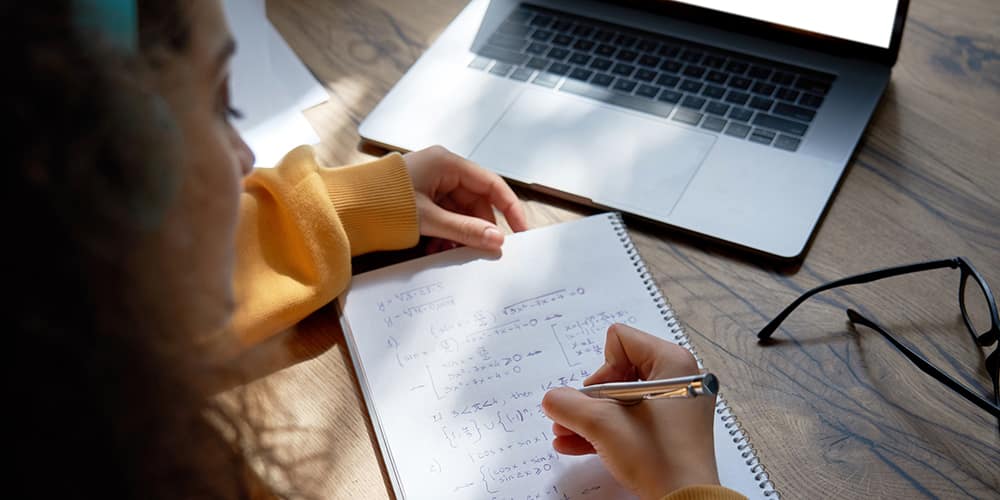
(455, 199)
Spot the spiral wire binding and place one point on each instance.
(731, 423)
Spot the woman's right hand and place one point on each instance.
(654, 447)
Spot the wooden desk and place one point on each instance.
(832, 412)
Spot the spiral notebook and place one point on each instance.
(454, 350)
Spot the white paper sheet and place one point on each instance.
(269, 84)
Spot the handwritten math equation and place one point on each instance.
(484, 370)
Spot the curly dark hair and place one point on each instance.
(105, 400)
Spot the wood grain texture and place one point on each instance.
(833, 411)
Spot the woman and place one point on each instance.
(135, 211)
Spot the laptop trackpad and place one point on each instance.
(615, 157)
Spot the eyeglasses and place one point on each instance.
(974, 323)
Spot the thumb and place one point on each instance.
(582, 414)
(466, 230)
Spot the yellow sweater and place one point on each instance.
(300, 224)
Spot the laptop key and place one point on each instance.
(479, 63)
(690, 86)
(713, 123)
(737, 97)
(761, 103)
(602, 80)
(716, 77)
(787, 94)
(737, 130)
(688, 116)
(626, 55)
(501, 68)
(671, 96)
(580, 74)
(717, 108)
(584, 45)
(692, 102)
(562, 40)
(541, 21)
(600, 64)
(762, 88)
(741, 114)
(622, 69)
(668, 50)
(782, 78)
(813, 101)
(694, 71)
(691, 56)
(713, 61)
(738, 82)
(780, 124)
(646, 46)
(604, 35)
(626, 40)
(649, 61)
(562, 26)
(579, 58)
(759, 72)
(626, 101)
(557, 53)
(522, 74)
(793, 111)
(645, 75)
(713, 91)
(542, 35)
(667, 81)
(502, 54)
(583, 30)
(787, 143)
(546, 80)
(762, 136)
(647, 91)
(557, 68)
(536, 48)
(623, 85)
(737, 67)
(538, 63)
(671, 66)
(605, 50)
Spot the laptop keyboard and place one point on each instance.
(717, 90)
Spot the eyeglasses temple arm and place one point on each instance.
(768, 330)
(926, 366)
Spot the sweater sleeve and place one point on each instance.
(704, 492)
(299, 226)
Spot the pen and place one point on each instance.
(633, 392)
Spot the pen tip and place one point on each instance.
(711, 384)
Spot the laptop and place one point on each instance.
(730, 119)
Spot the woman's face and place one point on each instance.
(196, 252)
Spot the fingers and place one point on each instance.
(631, 354)
(578, 416)
(573, 445)
(493, 188)
(464, 229)
(481, 182)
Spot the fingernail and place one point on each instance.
(492, 237)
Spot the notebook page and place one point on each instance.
(455, 350)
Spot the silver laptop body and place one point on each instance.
(660, 141)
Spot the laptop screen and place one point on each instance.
(865, 21)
